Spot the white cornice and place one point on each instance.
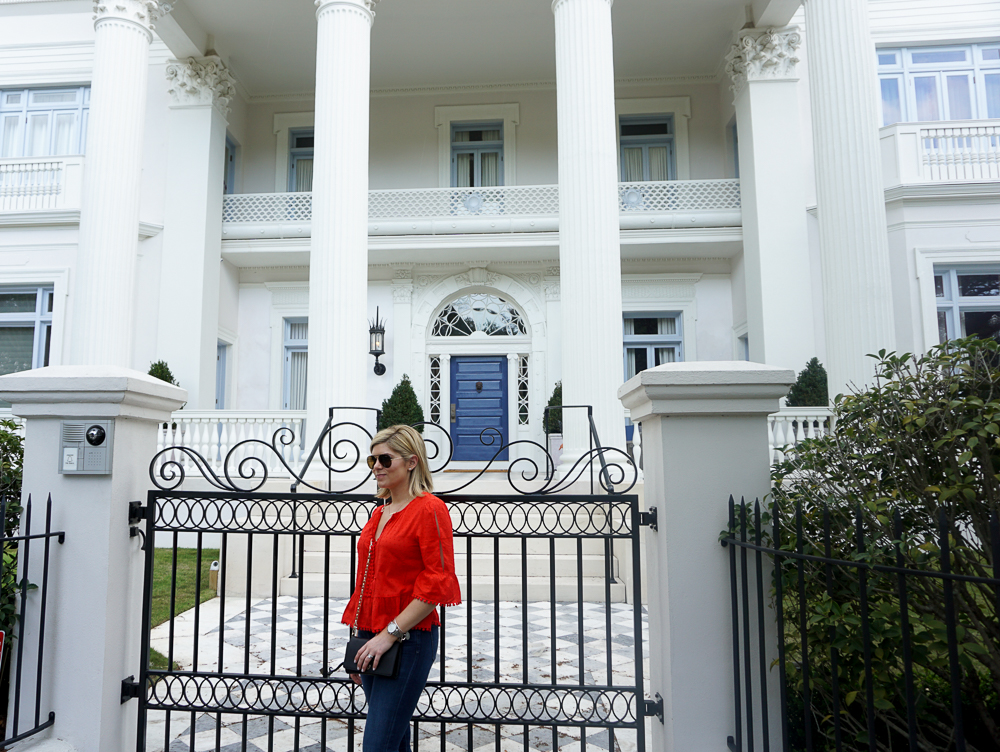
(62, 218)
(944, 192)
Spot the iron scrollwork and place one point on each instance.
(244, 468)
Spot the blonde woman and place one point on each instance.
(408, 553)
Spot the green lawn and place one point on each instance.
(183, 587)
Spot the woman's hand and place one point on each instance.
(356, 678)
(373, 650)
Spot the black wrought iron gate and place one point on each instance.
(545, 650)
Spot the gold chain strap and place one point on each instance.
(357, 610)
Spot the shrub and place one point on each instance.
(553, 418)
(925, 438)
(402, 407)
(11, 464)
(161, 371)
(809, 389)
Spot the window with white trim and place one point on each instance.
(435, 389)
(476, 155)
(43, 122)
(523, 413)
(25, 329)
(921, 84)
(651, 339)
(968, 301)
(300, 160)
(296, 351)
(647, 148)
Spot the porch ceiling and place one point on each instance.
(271, 44)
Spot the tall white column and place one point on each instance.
(109, 215)
(589, 242)
(200, 91)
(338, 267)
(854, 247)
(772, 185)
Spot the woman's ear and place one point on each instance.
(415, 462)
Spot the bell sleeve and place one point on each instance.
(437, 582)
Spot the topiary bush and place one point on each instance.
(810, 388)
(924, 439)
(402, 407)
(553, 418)
(161, 371)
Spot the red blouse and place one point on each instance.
(413, 558)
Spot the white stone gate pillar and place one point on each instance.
(338, 267)
(704, 437)
(94, 609)
(101, 310)
(200, 91)
(772, 185)
(854, 246)
(589, 235)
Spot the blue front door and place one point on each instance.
(479, 394)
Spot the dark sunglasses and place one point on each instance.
(384, 460)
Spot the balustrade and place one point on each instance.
(40, 183)
(939, 152)
(795, 424)
(216, 433)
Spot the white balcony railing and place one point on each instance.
(40, 183)
(940, 152)
(522, 208)
(213, 433)
(794, 424)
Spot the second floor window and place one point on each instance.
(647, 148)
(43, 122)
(300, 162)
(296, 366)
(968, 301)
(476, 155)
(25, 329)
(925, 84)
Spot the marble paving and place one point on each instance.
(277, 644)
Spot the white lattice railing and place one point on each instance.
(522, 208)
(793, 424)
(940, 152)
(40, 183)
(213, 433)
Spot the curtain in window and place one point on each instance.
(959, 97)
(629, 327)
(463, 170)
(630, 363)
(65, 125)
(927, 98)
(298, 330)
(490, 168)
(297, 380)
(461, 136)
(303, 174)
(38, 136)
(665, 355)
(491, 135)
(659, 161)
(17, 346)
(11, 131)
(632, 165)
(993, 95)
(667, 326)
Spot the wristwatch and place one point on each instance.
(394, 630)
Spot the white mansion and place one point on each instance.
(527, 192)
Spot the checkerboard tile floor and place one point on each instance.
(277, 643)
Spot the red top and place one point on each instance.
(413, 558)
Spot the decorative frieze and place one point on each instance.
(402, 293)
(552, 291)
(761, 55)
(200, 81)
(140, 12)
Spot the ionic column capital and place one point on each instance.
(200, 82)
(140, 13)
(364, 8)
(763, 55)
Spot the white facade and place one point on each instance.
(714, 186)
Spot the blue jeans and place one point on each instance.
(391, 702)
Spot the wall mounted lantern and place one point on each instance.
(376, 335)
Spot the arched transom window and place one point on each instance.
(479, 312)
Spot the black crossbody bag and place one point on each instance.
(388, 664)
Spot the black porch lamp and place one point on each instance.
(376, 335)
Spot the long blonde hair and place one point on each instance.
(408, 442)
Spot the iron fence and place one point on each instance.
(864, 629)
(546, 649)
(22, 615)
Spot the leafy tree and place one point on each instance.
(553, 420)
(161, 371)
(922, 441)
(11, 464)
(809, 389)
(402, 407)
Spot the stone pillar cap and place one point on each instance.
(90, 391)
(706, 388)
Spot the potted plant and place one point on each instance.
(552, 420)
